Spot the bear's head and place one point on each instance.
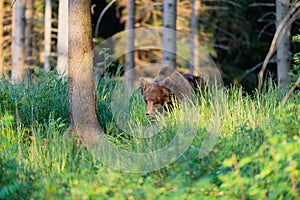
(155, 95)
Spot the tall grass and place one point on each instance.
(256, 154)
(34, 100)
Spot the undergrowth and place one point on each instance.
(256, 154)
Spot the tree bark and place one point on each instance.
(47, 35)
(18, 32)
(283, 50)
(82, 103)
(1, 38)
(62, 38)
(194, 50)
(169, 33)
(29, 11)
(129, 57)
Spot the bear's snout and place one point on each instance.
(149, 109)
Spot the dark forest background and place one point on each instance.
(237, 34)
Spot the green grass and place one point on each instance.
(256, 156)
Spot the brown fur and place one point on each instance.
(196, 82)
(159, 96)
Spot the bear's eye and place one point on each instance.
(155, 101)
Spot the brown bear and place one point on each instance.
(166, 85)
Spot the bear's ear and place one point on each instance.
(166, 92)
(144, 84)
(167, 82)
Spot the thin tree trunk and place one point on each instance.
(129, 57)
(1, 38)
(283, 50)
(47, 36)
(62, 38)
(18, 53)
(82, 106)
(169, 33)
(194, 50)
(28, 31)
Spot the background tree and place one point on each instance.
(129, 57)
(283, 50)
(194, 50)
(47, 34)
(18, 33)
(81, 78)
(237, 34)
(29, 13)
(1, 37)
(169, 33)
(62, 38)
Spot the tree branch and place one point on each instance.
(290, 91)
(286, 22)
(262, 4)
(101, 16)
(248, 71)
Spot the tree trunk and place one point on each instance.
(28, 31)
(18, 53)
(283, 50)
(169, 33)
(194, 50)
(47, 36)
(62, 38)
(82, 103)
(129, 57)
(1, 38)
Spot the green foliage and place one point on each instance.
(296, 37)
(273, 170)
(16, 180)
(256, 155)
(295, 71)
(34, 100)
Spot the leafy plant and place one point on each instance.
(295, 71)
(271, 172)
